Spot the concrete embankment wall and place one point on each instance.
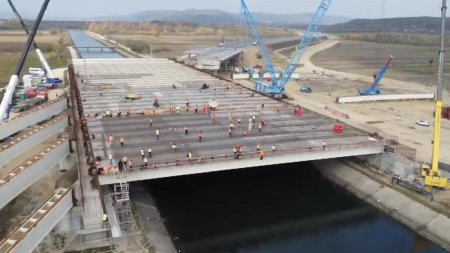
(416, 216)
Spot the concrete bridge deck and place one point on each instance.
(296, 138)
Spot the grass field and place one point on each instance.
(13, 42)
(411, 63)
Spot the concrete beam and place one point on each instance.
(33, 116)
(23, 143)
(231, 164)
(27, 237)
(391, 97)
(15, 182)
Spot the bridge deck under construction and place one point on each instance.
(104, 84)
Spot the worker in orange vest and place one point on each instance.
(261, 155)
(122, 140)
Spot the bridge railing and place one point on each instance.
(113, 170)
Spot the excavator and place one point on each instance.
(433, 176)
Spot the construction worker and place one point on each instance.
(324, 144)
(151, 122)
(229, 132)
(174, 147)
(110, 158)
(196, 109)
(189, 155)
(130, 164)
(274, 147)
(157, 134)
(142, 153)
(110, 139)
(186, 130)
(125, 161)
(145, 162)
(122, 140)
(105, 220)
(149, 151)
(261, 155)
(200, 136)
(250, 125)
(213, 119)
(178, 109)
(259, 127)
(258, 147)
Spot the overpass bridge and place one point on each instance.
(295, 137)
(109, 49)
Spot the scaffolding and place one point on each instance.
(122, 208)
(393, 151)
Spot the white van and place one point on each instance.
(36, 72)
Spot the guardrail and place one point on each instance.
(29, 229)
(111, 171)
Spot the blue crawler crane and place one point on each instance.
(374, 89)
(276, 87)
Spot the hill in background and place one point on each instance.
(219, 17)
(409, 24)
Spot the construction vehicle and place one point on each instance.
(50, 80)
(276, 86)
(306, 89)
(433, 176)
(374, 89)
(6, 104)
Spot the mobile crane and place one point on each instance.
(6, 104)
(433, 175)
(374, 89)
(50, 78)
(276, 87)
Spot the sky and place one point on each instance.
(85, 9)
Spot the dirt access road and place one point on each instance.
(386, 118)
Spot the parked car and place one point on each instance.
(306, 89)
(423, 123)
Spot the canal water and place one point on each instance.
(283, 208)
(274, 209)
(80, 39)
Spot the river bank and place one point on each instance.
(416, 216)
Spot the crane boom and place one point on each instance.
(7, 98)
(305, 42)
(259, 41)
(435, 178)
(44, 63)
(374, 89)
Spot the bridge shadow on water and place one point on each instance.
(284, 208)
